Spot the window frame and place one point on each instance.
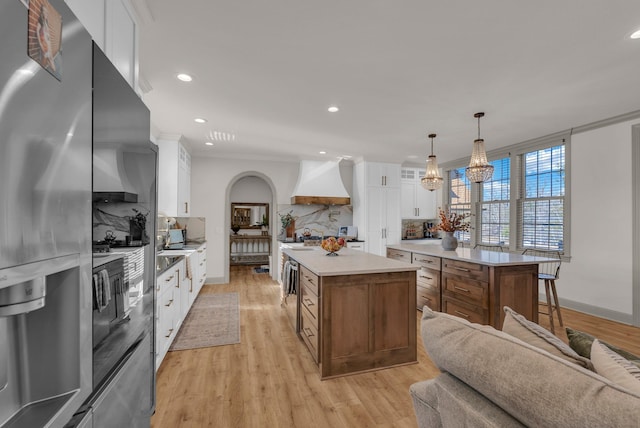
(515, 153)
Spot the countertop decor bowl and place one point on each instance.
(332, 245)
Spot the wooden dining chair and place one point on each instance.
(549, 272)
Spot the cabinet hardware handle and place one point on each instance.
(308, 301)
(169, 304)
(426, 298)
(170, 333)
(418, 210)
(462, 314)
(186, 207)
(169, 278)
(426, 277)
(424, 260)
(461, 289)
(460, 269)
(308, 332)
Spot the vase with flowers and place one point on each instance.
(288, 222)
(451, 222)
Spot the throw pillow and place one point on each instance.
(581, 343)
(529, 332)
(614, 367)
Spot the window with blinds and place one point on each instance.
(460, 198)
(541, 202)
(495, 204)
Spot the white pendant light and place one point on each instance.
(479, 169)
(432, 179)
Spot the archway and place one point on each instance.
(244, 176)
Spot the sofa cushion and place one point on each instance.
(532, 385)
(581, 343)
(615, 368)
(518, 326)
(447, 402)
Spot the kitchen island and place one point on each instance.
(355, 311)
(473, 284)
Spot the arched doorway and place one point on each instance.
(250, 191)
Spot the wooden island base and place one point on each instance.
(356, 322)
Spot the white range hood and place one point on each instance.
(319, 182)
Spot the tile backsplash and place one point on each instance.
(321, 220)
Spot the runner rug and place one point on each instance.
(214, 320)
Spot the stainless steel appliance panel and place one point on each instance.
(45, 213)
(127, 399)
(45, 143)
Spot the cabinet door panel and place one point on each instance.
(407, 196)
(390, 324)
(346, 306)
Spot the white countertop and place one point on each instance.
(100, 259)
(347, 262)
(489, 258)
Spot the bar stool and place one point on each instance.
(487, 247)
(549, 272)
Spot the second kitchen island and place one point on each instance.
(355, 311)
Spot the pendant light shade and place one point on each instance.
(432, 179)
(479, 169)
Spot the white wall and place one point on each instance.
(251, 189)
(210, 181)
(599, 274)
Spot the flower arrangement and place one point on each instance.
(451, 222)
(139, 219)
(286, 219)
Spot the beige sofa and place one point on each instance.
(492, 379)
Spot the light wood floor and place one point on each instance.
(270, 380)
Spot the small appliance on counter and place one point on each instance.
(427, 229)
(349, 233)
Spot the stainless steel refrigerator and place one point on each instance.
(51, 374)
(45, 223)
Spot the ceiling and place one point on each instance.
(266, 72)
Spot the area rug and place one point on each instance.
(214, 320)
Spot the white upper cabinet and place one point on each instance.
(113, 25)
(376, 205)
(383, 174)
(174, 178)
(417, 202)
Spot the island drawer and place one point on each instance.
(428, 278)
(427, 297)
(309, 279)
(403, 256)
(430, 262)
(469, 290)
(464, 310)
(466, 269)
(310, 301)
(309, 333)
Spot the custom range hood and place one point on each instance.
(110, 182)
(319, 182)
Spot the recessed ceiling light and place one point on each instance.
(200, 120)
(322, 152)
(333, 109)
(209, 143)
(635, 35)
(184, 77)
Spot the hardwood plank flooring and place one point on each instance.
(270, 379)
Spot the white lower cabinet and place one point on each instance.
(167, 307)
(176, 290)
